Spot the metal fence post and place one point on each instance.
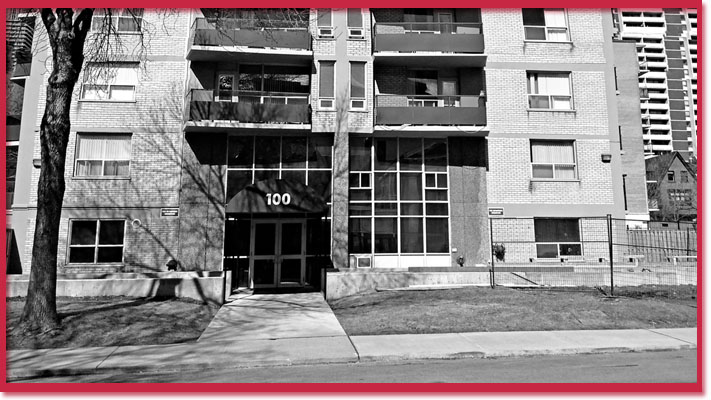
(609, 241)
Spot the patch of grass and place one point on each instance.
(114, 321)
(503, 309)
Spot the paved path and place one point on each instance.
(248, 316)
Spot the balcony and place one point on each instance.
(207, 105)
(430, 110)
(18, 38)
(232, 38)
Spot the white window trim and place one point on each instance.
(331, 99)
(109, 85)
(549, 96)
(555, 178)
(325, 32)
(96, 245)
(558, 244)
(351, 99)
(546, 28)
(103, 160)
(115, 16)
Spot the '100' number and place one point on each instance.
(275, 199)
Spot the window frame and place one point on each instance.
(671, 177)
(96, 244)
(320, 77)
(559, 243)
(546, 28)
(103, 175)
(324, 31)
(553, 165)
(550, 97)
(109, 84)
(356, 31)
(116, 16)
(364, 99)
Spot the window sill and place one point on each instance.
(573, 111)
(357, 39)
(105, 101)
(358, 110)
(555, 180)
(548, 41)
(101, 178)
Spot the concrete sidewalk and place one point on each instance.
(226, 354)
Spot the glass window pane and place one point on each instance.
(385, 154)
(435, 155)
(81, 254)
(360, 209)
(359, 235)
(570, 249)
(430, 180)
(293, 152)
(110, 254)
(250, 79)
(318, 237)
(294, 176)
(111, 232)
(360, 154)
(385, 185)
(543, 171)
(436, 195)
(83, 232)
(237, 237)
(289, 79)
(410, 186)
(323, 16)
(326, 79)
(355, 18)
(264, 174)
(240, 151)
(411, 208)
(121, 93)
(412, 238)
(565, 171)
(359, 194)
(546, 250)
(320, 181)
(385, 209)
(556, 230)
(411, 154)
(436, 208)
(533, 16)
(442, 181)
(236, 181)
(535, 33)
(320, 150)
(268, 154)
(358, 80)
(539, 101)
(437, 235)
(386, 235)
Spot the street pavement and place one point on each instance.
(300, 329)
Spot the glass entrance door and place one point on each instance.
(278, 254)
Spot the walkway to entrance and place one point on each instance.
(247, 316)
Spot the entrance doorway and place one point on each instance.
(278, 253)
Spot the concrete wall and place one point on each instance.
(202, 287)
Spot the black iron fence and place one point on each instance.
(599, 252)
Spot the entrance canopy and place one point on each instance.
(277, 196)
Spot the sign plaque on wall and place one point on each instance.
(169, 212)
(496, 211)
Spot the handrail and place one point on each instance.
(429, 27)
(246, 93)
(390, 100)
(249, 23)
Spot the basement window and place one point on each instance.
(96, 241)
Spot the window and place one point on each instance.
(398, 198)
(549, 91)
(545, 24)
(326, 88)
(125, 20)
(670, 176)
(557, 237)
(11, 152)
(684, 176)
(115, 82)
(553, 159)
(680, 195)
(355, 23)
(96, 241)
(325, 25)
(103, 155)
(358, 85)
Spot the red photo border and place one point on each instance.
(560, 388)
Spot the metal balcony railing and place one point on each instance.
(430, 110)
(451, 37)
(248, 106)
(290, 34)
(18, 36)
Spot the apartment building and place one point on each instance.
(666, 49)
(286, 146)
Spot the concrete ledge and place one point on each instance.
(194, 285)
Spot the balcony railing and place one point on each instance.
(249, 106)
(430, 110)
(286, 34)
(449, 37)
(18, 37)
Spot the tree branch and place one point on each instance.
(48, 19)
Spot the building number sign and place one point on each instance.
(276, 199)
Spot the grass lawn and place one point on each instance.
(478, 309)
(115, 321)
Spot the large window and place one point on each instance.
(549, 91)
(118, 20)
(557, 237)
(326, 87)
(545, 24)
(11, 152)
(114, 82)
(398, 199)
(96, 241)
(355, 23)
(553, 159)
(358, 85)
(103, 155)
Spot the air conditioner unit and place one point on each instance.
(326, 103)
(325, 32)
(365, 261)
(355, 33)
(357, 104)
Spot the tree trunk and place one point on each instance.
(66, 38)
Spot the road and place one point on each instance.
(664, 366)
